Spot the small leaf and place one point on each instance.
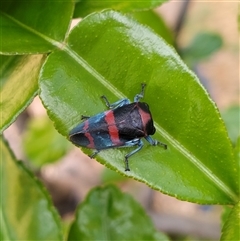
(26, 210)
(237, 153)
(231, 117)
(19, 76)
(42, 143)
(202, 46)
(231, 228)
(31, 27)
(108, 214)
(110, 54)
(85, 7)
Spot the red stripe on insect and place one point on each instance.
(145, 117)
(112, 128)
(88, 135)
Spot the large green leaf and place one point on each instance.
(231, 229)
(85, 7)
(26, 210)
(109, 54)
(19, 85)
(108, 214)
(29, 27)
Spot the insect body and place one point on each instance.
(123, 125)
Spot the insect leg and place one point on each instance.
(155, 142)
(94, 154)
(140, 95)
(119, 103)
(84, 117)
(134, 142)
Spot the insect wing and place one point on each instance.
(95, 132)
(133, 121)
(146, 118)
(113, 128)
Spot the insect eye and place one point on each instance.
(146, 105)
(150, 128)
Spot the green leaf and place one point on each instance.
(26, 210)
(85, 7)
(202, 46)
(110, 54)
(231, 228)
(108, 214)
(231, 216)
(108, 176)
(225, 213)
(29, 27)
(18, 80)
(155, 21)
(237, 152)
(42, 143)
(231, 117)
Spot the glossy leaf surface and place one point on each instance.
(29, 27)
(108, 214)
(231, 229)
(26, 210)
(42, 143)
(19, 85)
(155, 22)
(85, 7)
(110, 54)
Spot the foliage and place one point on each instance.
(201, 47)
(30, 206)
(42, 143)
(231, 227)
(108, 53)
(116, 217)
(231, 117)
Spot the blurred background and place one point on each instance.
(205, 34)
